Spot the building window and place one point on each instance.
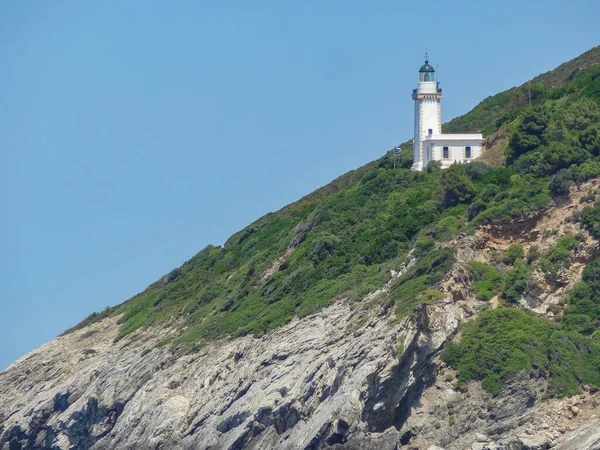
(430, 131)
(445, 153)
(468, 152)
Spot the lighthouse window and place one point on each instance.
(468, 152)
(430, 131)
(446, 153)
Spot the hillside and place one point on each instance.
(388, 309)
(568, 79)
(343, 239)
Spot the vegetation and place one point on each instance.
(515, 282)
(557, 256)
(504, 341)
(488, 281)
(342, 246)
(414, 286)
(456, 188)
(590, 218)
(573, 79)
(583, 311)
(514, 253)
(560, 183)
(342, 240)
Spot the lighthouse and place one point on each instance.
(429, 143)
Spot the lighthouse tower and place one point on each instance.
(428, 112)
(429, 143)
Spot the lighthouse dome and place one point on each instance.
(426, 72)
(426, 67)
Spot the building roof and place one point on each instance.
(426, 67)
(454, 137)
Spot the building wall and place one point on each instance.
(433, 150)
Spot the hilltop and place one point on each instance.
(387, 309)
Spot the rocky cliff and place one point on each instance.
(352, 376)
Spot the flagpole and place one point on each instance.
(394, 151)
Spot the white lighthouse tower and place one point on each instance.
(428, 111)
(429, 143)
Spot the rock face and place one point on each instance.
(318, 382)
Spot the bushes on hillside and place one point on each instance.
(585, 171)
(590, 140)
(433, 166)
(423, 245)
(488, 281)
(363, 223)
(590, 219)
(476, 170)
(428, 270)
(323, 246)
(528, 135)
(445, 229)
(504, 341)
(560, 183)
(558, 256)
(514, 253)
(512, 196)
(456, 187)
(515, 282)
(582, 314)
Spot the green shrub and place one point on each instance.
(445, 229)
(590, 219)
(583, 307)
(433, 166)
(423, 245)
(533, 254)
(502, 342)
(560, 183)
(323, 246)
(475, 208)
(586, 171)
(476, 170)
(515, 282)
(429, 296)
(558, 255)
(590, 140)
(456, 188)
(532, 125)
(487, 280)
(514, 253)
(421, 277)
(520, 196)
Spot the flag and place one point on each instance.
(397, 149)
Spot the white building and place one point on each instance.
(429, 143)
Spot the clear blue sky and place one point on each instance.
(133, 134)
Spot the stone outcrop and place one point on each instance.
(319, 382)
